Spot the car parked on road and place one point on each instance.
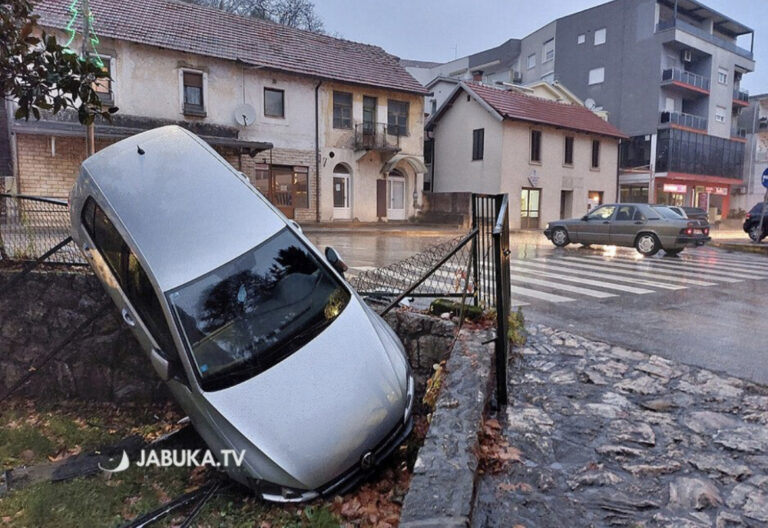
(679, 211)
(696, 213)
(256, 333)
(642, 226)
(752, 223)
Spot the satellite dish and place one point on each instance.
(590, 103)
(245, 114)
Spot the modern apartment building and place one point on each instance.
(753, 123)
(325, 128)
(668, 74)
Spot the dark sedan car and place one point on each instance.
(696, 213)
(752, 223)
(648, 229)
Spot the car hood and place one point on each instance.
(317, 412)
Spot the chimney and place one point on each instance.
(477, 75)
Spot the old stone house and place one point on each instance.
(328, 129)
(555, 159)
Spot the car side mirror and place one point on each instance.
(333, 258)
(161, 364)
(296, 226)
(585, 218)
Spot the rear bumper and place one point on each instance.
(693, 240)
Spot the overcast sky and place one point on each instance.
(441, 30)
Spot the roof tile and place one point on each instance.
(211, 32)
(514, 105)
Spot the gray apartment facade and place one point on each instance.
(668, 74)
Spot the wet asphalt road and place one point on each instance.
(706, 308)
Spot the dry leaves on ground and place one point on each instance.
(495, 452)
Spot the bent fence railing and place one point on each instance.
(474, 266)
(34, 228)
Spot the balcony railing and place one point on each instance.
(686, 120)
(685, 77)
(375, 136)
(738, 132)
(739, 95)
(703, 34)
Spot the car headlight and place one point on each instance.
(409, 399)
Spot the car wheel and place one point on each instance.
(647, 244)
(672, 252)
(754, 233)
(560, 237)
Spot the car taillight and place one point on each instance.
(706, 230)
(748, 216)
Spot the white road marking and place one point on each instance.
(564, 287)
(627, 269)
(525, 292)
(564, 267)
(697, 269)
(580, 280)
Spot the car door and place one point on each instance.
(623, 226)
(596, 226)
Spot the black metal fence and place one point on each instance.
(475, 266)
(30, 227)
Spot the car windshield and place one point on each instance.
(604, 212)
(253, 312)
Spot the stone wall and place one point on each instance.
(106, 363)
(447, 208)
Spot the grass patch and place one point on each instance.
(23, 444)
(517, 333)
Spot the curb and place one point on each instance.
(745, 247)
(441, 493)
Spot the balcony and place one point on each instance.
(738, 133)
(684, 120)
(375, 136)
(740, 98)
(685, 79)
(704, 35)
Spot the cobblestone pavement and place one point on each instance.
(614, 437)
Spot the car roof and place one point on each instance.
(184, 208)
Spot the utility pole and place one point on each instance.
(90, 138)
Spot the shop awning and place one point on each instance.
(416, 163)
(699, 178)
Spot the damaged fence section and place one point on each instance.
(31, 227)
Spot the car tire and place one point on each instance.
(560, 237)
(672, 252)
(754, 233)
(647, 244)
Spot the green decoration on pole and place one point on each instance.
(90, 38)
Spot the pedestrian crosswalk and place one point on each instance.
(572, 275)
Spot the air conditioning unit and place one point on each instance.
(517, 77)
(763, 122)
(687, 55)
(739, 189)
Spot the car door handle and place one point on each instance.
(127, 317)
(606, 222)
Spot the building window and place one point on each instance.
(595, 154)
(194, 93)
(397, 117)
(548, 51)
(720, 114)
(536, 145)
(722, 76)
(103, 87)
(531, 60)
(478, 139)
(600, 36)
(596, 75)
(274, 102)
(342, 110)
(581, 39)
(568, 154)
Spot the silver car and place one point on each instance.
(259, 338)
(647, 228)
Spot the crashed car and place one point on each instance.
(258, 336)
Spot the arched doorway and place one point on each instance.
(396, 195)
(342, 192)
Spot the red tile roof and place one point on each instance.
(514, 105)
(206, 31)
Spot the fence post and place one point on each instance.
(501, 265)
(475, 253)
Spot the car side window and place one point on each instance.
(604, 212)
(625, 213)
(639, 216)
(129, 274)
